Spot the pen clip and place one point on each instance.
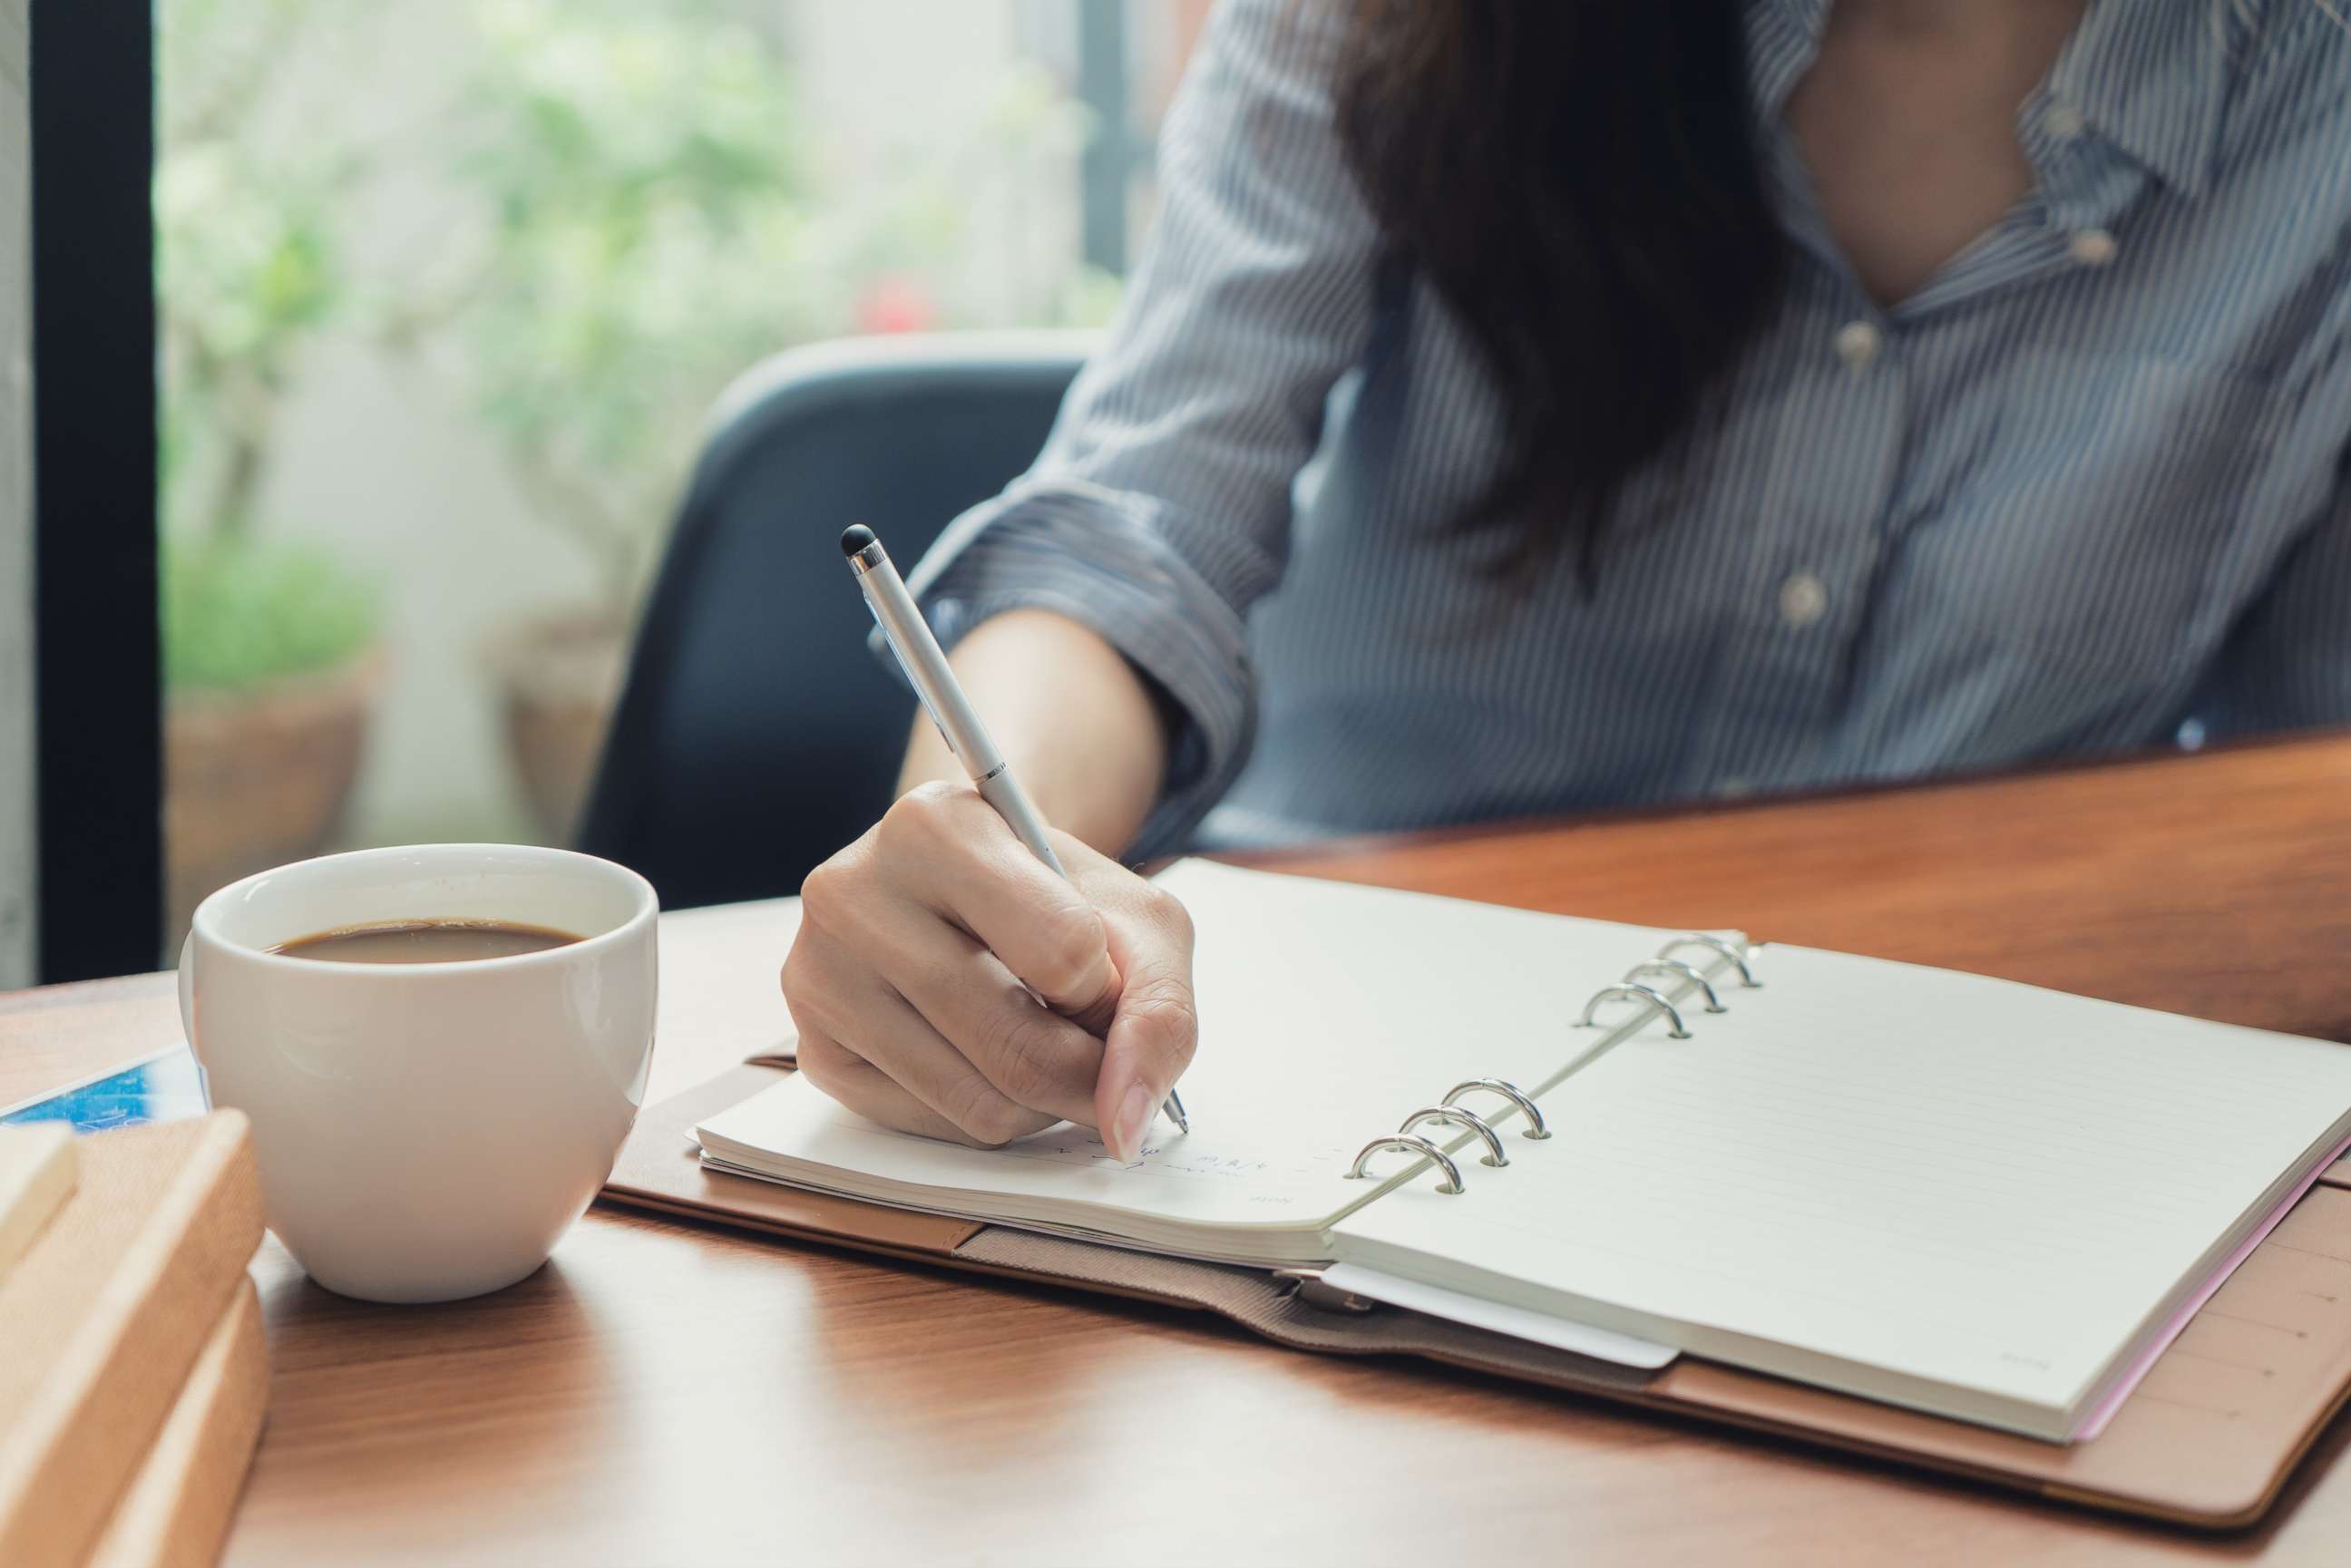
(921, 695)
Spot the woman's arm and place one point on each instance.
(1078, 725)
(1107, 587)
(1160, 510)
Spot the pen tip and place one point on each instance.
(855, 537)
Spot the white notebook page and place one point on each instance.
(1327, 1013)
(1957, 1179)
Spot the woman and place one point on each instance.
(1730, 398)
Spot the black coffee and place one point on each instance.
(425, 942)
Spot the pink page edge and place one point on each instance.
(2095, 1421)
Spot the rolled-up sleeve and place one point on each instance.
(1160, 509)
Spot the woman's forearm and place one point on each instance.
(1072, 717)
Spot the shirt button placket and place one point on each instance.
(1834, 510)
(1821, 515)
(1857, 344)
(1803, 599)
(2093, 247)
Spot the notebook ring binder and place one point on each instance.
(1689, 972)
(1536, 1130)
(1649, 994)
(1414, 1143)
(1714, 945)
(1461, 1118)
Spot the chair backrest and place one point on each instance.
(755, 733)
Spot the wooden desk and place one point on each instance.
(663, 1394)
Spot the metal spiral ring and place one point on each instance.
(1536, 1130)
(1713, 945)
(1461, 1118)
(1649, 994)
(1680, 971)
(1412, 1143)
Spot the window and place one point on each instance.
(445, 290)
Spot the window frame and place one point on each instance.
(97, 641)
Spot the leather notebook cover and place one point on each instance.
(2208, 1438)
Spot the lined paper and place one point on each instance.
(1941, 1178)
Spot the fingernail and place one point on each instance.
(1134, 1116)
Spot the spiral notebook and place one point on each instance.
(1956, 1195)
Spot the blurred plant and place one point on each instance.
(239, 613)
(646, 224)
(248, 273)
(653, 227)
(647, 238)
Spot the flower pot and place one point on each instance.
(259, 777)
(559, 676)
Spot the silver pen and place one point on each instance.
(919, 654)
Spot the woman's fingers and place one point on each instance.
(947, 848)
(862, 1016)
(1155, 1027)
(924, 948)
(865, 1089)
(1033, 1056)
(901, 947)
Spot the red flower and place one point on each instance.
(895, 303)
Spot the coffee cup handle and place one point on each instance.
(187, 977)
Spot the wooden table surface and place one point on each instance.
(668, 1394)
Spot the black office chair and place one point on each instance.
(756, 735)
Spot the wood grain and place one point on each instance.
(663, 1394)
(2218, 884)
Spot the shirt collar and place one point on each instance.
(1783, 38)
(2146, 76)
(1807, 16)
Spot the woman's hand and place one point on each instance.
(920, 945)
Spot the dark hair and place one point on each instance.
(1580, 181)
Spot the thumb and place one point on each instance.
(1152, 1034)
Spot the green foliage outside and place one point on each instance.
(249, 270)
(648, 234)
(654, 227)
(239, 613)
(635, 222)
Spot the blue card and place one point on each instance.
(165, 1087)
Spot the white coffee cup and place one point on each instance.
(427, 1131)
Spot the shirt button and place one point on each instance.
(1733, 789)
(1857, 343)
(2061, 120)
(1803, 599)
(2092, 247)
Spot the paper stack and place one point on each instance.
(133, 1375)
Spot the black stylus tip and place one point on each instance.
(855, 537)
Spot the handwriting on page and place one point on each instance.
(1178, 1156)
(1184, 1156)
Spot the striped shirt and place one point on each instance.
(2084, 489)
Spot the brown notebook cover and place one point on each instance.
(176, 1512)
(105, 1315)
(2207, 1439)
